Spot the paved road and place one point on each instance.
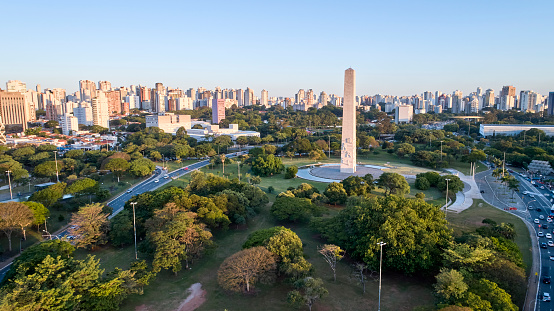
(159, 178)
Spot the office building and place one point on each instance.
(13, 109)
(550, 103)
(87, 90)
(489, 98)
(218, 110)
(249, 97)
(168, 122)
(403, 114)
(264, 98)
(16, 86)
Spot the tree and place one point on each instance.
(359, 273)
(50, 195)
(420, 195)
(404, 149)
(291, 172)
(332, 254)
(83, 186)
(309, 290)
(450, 286)
(335, 193)
(142, 167)
(292, 209)
(48, 168)
(242, 140)
(40, 213)
(393, 183)
(255, 180)
(513, 184)
(355, 185)
(491, 292)
(476, 155)
(421, 183)
(242, 270)
(14, 215)
(417, 229)
(117, 166)
(121, 229)
(89, 226)
(267, 165)
(455, 185)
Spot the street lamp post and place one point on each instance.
(56, 160)
(10, 182)
(446, 206)
(381, 244)
(135, 229)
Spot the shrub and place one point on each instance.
(291, 172)
(422, 183)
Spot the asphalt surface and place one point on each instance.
(538, 202)
(159, 178)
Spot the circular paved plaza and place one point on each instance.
(333, 172)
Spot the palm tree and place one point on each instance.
(513, 184)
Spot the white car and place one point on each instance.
(542, 187)
(548, 236)
(157, 180)
(546, 296)
(541, 217)
(536, 221)
(532, 195)
(550, 243)
(166, 176)
(552, 258)
(540, 234)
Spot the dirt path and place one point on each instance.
(196, 297)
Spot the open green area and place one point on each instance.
(472, 218)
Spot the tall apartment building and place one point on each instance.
(16, 86)
(114, 101)
(69, 124)
(249, 97)
(13, 109)
(403, 114)
(457, 102)
(240, 97)
(323, 99)
(300, 96)
(507, 98)
(104, 86)
(83, 113)
(100, 112)
(87, 90)
(550, 103)
(489, 98)
(264, 98)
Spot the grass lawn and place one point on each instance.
(465, 167)
(472, 218)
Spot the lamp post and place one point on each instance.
(56, 160)
(446, 205)
(10, 182)
(441, 150)
(381, 244)
(135, 229)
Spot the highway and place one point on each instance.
(154, 182)
(538, 202)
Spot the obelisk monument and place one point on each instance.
(348, 147)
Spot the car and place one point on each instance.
(129, 191)
(550, 243)
(166, 176)
(542, 187)
(482, 191)
(157, 180)
(552, 258)
(545, 226)
(538, 209)
(548, 235)
(544, 245)
(546, 296)
(536, 220)
(186, 168)
(540, 234)
(525, 192)
(541, 217)
(532, 195)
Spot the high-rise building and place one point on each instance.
(489, 98)
(240, 97)
(105, 86)
(300, 96)
(479, 91)
(13, 109)
(323, 99)
(100, 111)
(249, 97)
(69, 124)
(550, 103)
(457, 102)
(114, 101)
(83, 113)
(87, 89)
(507, 98)
(218, 110)
(264, 98)
(348, 146)
(16, 86)
(403, 114)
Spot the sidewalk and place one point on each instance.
(464, 199)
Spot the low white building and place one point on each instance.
(168, 122)
(513, 129)
(403, 114)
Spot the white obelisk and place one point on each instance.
(348, 148)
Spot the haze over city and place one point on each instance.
(397, 48)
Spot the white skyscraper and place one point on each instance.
(83, 113)
(100, 111)
(264, 98)
(16, 86)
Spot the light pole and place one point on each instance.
(56, 160)
(10, 182)
(135, 229)
(446, 206)
(381, 244)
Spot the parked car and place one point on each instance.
(546, 297)
(552, 258)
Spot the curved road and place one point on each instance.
(158, 179)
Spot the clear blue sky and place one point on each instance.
(396, 47)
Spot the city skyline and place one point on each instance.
(401, 49)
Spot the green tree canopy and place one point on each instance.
(393, 183)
